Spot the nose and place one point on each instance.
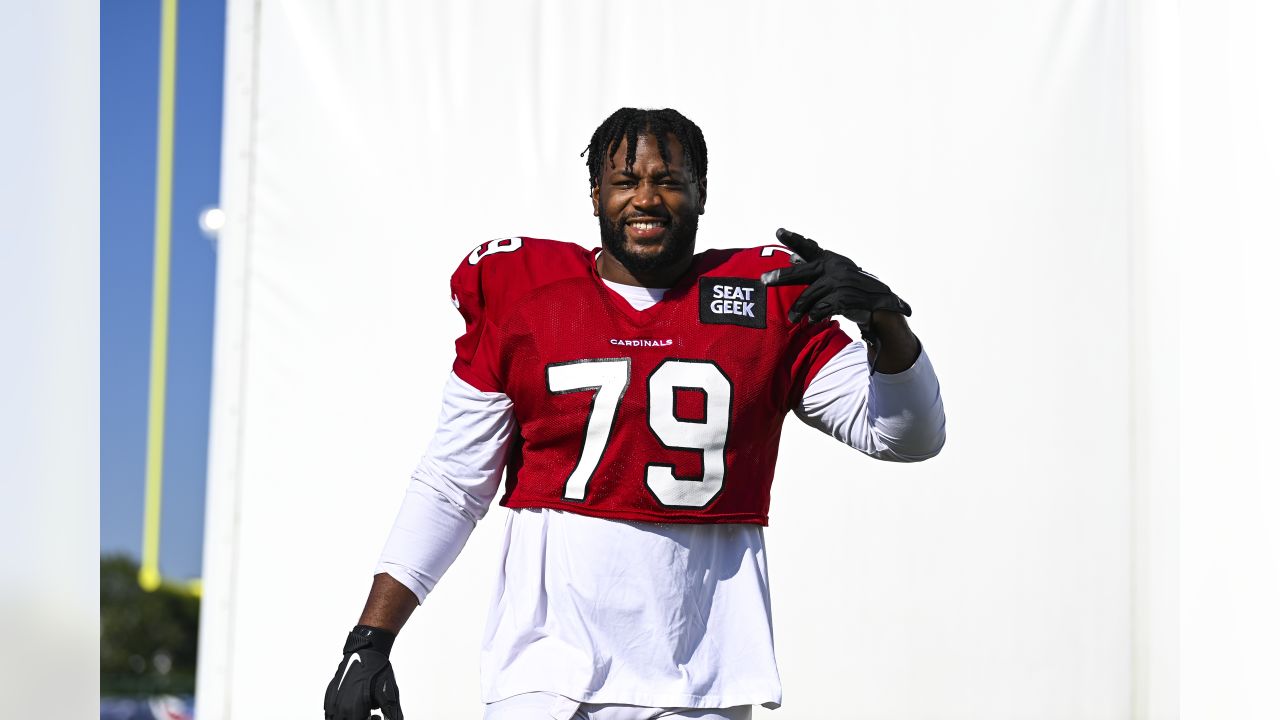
(646, 196)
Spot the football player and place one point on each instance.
(634, 396)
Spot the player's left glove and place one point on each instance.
(364, 681)
(836, 285)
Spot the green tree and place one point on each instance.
(148, 638)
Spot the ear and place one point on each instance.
(595, 201)
(702, 197)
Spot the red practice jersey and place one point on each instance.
(670, 414)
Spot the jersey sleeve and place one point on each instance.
(478, 290)
(810, 344)
(814, 344)
(489, 286)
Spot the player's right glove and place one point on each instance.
(364, 681)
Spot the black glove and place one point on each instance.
(364, 680)
(836, 285)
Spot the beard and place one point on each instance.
(679, 243)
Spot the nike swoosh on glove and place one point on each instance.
(363, 682)
(836, 284)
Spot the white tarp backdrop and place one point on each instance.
(979, 156)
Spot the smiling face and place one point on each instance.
(648, 214)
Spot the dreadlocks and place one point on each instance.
(628, 123)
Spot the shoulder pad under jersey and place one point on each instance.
(497, 273)
(747, 262)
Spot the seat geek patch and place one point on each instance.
(731, 301)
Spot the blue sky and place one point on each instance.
(130, 51)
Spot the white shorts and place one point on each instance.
(550, 706)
